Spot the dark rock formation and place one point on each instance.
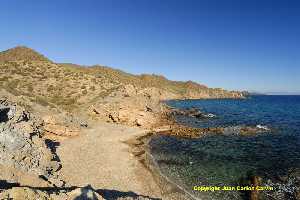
(191, 112)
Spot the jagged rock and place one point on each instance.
(22, 149)
(192, 112)
(183, 131)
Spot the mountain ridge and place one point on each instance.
(24, 53)
(95, 89)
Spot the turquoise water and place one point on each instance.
(218, 160)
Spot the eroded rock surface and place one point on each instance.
(23, 151)
(131, 107)
(55, 126)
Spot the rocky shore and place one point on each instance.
(69, 131)
(32, 169)
(285, 186)
(30, 165)
(171, 127)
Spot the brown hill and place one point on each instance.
(21, 53)
(78, 88)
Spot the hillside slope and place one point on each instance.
(95, 89)
(21, 53)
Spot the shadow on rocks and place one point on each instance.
(115, 194)
(6, 185)
(81, 193)
(52, 145)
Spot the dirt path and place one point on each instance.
(99, 158)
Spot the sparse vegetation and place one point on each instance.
(21, 53)
(25, 72)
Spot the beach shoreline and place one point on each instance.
(168, 189)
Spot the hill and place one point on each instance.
(44, 104)
(21, 53)
(28, 74)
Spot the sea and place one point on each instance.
(230, 160)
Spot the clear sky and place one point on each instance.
(234, 44)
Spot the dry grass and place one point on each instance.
(21, 53)
(27, 73)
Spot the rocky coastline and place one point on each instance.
(287, 186)
(30, 166)
(37, 175)
(45, 104)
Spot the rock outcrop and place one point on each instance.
(135, 108)
(54, 126)
(192, 112)
(118, 96)
(23, 151)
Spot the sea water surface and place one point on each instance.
(218, 160)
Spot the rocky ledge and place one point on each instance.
(170, 126)
(189, 132)
(191, 112)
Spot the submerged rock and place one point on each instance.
(244, 130)
(191, 112)
(262, 127)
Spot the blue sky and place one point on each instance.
(234, 44)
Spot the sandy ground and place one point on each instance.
(100, 158)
